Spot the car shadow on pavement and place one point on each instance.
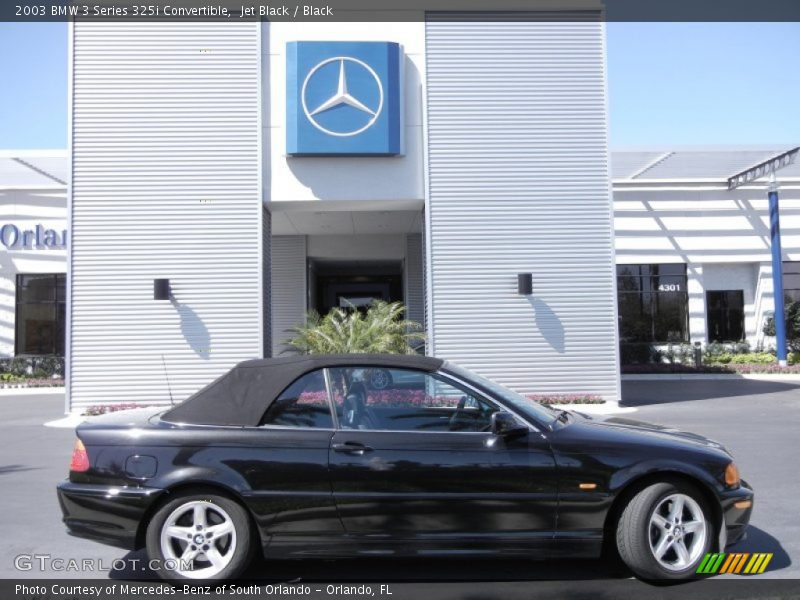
(429, 569)
(644, 393)
(758, 540)
(400, 570)
(4, 469)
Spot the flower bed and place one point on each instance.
(102, 409)
(664, 368)
(729, 369)
(771, 369)
(23, 382)
(566, 398)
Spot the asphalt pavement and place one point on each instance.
(758, 421)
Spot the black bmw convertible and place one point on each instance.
(387, 455)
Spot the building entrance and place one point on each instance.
(334, 283)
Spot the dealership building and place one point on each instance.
(33, 252)
(266, 169)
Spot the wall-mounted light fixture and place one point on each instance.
(161, 289)
(524, 284)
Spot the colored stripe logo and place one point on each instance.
(738, 563)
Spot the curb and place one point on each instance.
(606, 408)
(70, 421)
(22, 391)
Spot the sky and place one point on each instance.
(670, 84)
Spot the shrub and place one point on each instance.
(639, 353)
(792, 310)
(380, 329)
(39, 367)
(744, 369)
(665, 368)
(761, 369)
(722, 359)
(718, 352)
(761, 358)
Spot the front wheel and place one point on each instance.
(665, 531)
(200, 536)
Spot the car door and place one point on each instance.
(285, 463)
(413, 456)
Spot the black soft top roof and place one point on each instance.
(243, 394)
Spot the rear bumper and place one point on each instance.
(735, 518)
(106, 514)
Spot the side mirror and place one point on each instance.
(505, 425)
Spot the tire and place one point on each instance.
(219, 539)
(380, 379)
(647, 528)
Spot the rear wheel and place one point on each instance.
(665, 531)
(200, 536)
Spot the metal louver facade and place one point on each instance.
(414, 278)
(519, 182)
(165, 138)
(289, 287)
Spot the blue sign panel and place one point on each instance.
(343, 98)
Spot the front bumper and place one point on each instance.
(735, 518)
(107, 514)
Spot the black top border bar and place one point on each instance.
(402, 10)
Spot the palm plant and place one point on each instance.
(379, 329)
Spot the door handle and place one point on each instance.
(351, 448)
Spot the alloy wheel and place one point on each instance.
(677, 532)
(200, 537)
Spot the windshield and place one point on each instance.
(526, 406)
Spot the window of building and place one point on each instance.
(725, 315)
(791, 281)
(405, 400)
(303, 404)
(653, 303)
(40, 314)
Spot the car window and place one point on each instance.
(405, 400)
(303, 404)
(526, 406)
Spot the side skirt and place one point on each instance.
(351, 546)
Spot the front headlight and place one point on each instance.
(732, 478)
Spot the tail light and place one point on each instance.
(80, 458)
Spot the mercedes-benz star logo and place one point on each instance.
(342, 96)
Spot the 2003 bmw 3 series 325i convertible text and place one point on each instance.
(334, 456)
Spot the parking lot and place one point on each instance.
(758, 421)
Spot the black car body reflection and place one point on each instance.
(347, 455)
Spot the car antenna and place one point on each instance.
(166, 375)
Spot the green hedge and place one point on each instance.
(32, 367)
(760, 358)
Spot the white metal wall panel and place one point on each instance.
(519, 182)
(166, 183)
(266, 283)
(414, 292)
(288, 289)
